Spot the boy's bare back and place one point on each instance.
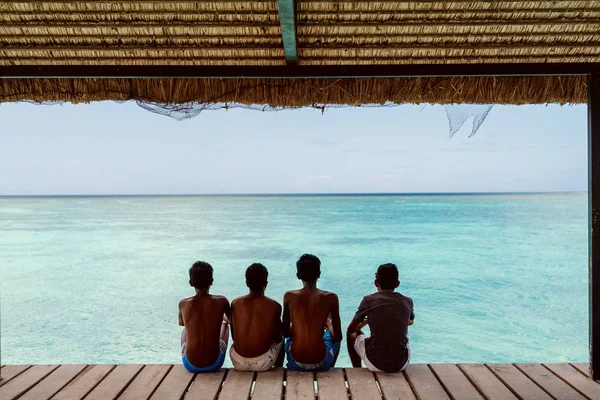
(256, 324)
(202, 316)
(308, 310)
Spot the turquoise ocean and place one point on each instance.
(494, 278)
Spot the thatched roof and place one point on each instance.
(344, 32)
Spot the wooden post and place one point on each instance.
(594, 220)
(287, 21)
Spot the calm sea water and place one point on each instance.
(499, 278)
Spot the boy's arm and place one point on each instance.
(411, 320)
(335, 319)
(180, 315)
(286, 328)
(279, 332)
(230, 317)
(360, 318)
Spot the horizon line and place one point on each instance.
(337, 194)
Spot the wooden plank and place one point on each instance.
(111, 387)
(425, 383)
(549, 382)
(25, 381)
(269, 385)
(576, 380)
(299, 386)
(296, 71)
(205, 386)
(584, 368)
(84, 382)
(519, 383)
(145, 382)
(11, 371)
(394, 386)
(237, 385)
(455, 382)
(53, 382)
(490, 386)
(175, 384)
(362, 384)
(332, 385)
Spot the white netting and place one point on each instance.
(457, 114)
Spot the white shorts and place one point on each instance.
(361, 349)
(261, 363)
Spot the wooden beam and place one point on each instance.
(287, 21)
(296, 71)
(594, 221)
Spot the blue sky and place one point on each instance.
(110, 148)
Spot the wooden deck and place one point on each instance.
(420, 381)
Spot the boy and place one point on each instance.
(204, 318)
(388, 315)
(256, 326)
(311, 321)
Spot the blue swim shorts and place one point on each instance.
(331, 346)
(212, 368)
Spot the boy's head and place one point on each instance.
(256, 278)
(386, 277)
(201, 275)
(308, 268)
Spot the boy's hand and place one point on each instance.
(362, 325)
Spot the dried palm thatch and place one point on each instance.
(304, 92)
(340, 32)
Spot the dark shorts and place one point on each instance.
(331, 346)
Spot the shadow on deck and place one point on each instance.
(419, 381)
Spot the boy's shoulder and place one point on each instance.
(326, 293)
(386, 294)
(292, 293)
(219, 298)
(185, 301)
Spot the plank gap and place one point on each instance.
(565, 381)
(11, 377)
(252, 385)
(283, 383)
(503, 382)
(533, 380)
(440, 381)
(130, 381)
(69, 381)
(410, 383)
(160, 382)
(579, 370)
(222, 383)
(480, 390)
(100, 381)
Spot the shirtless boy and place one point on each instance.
(256, 326)
(311, 321)
(388, 314)
(204, 318)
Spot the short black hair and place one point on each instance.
(308, 267)
(387, 276)
(201, 275)
(256, 277)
